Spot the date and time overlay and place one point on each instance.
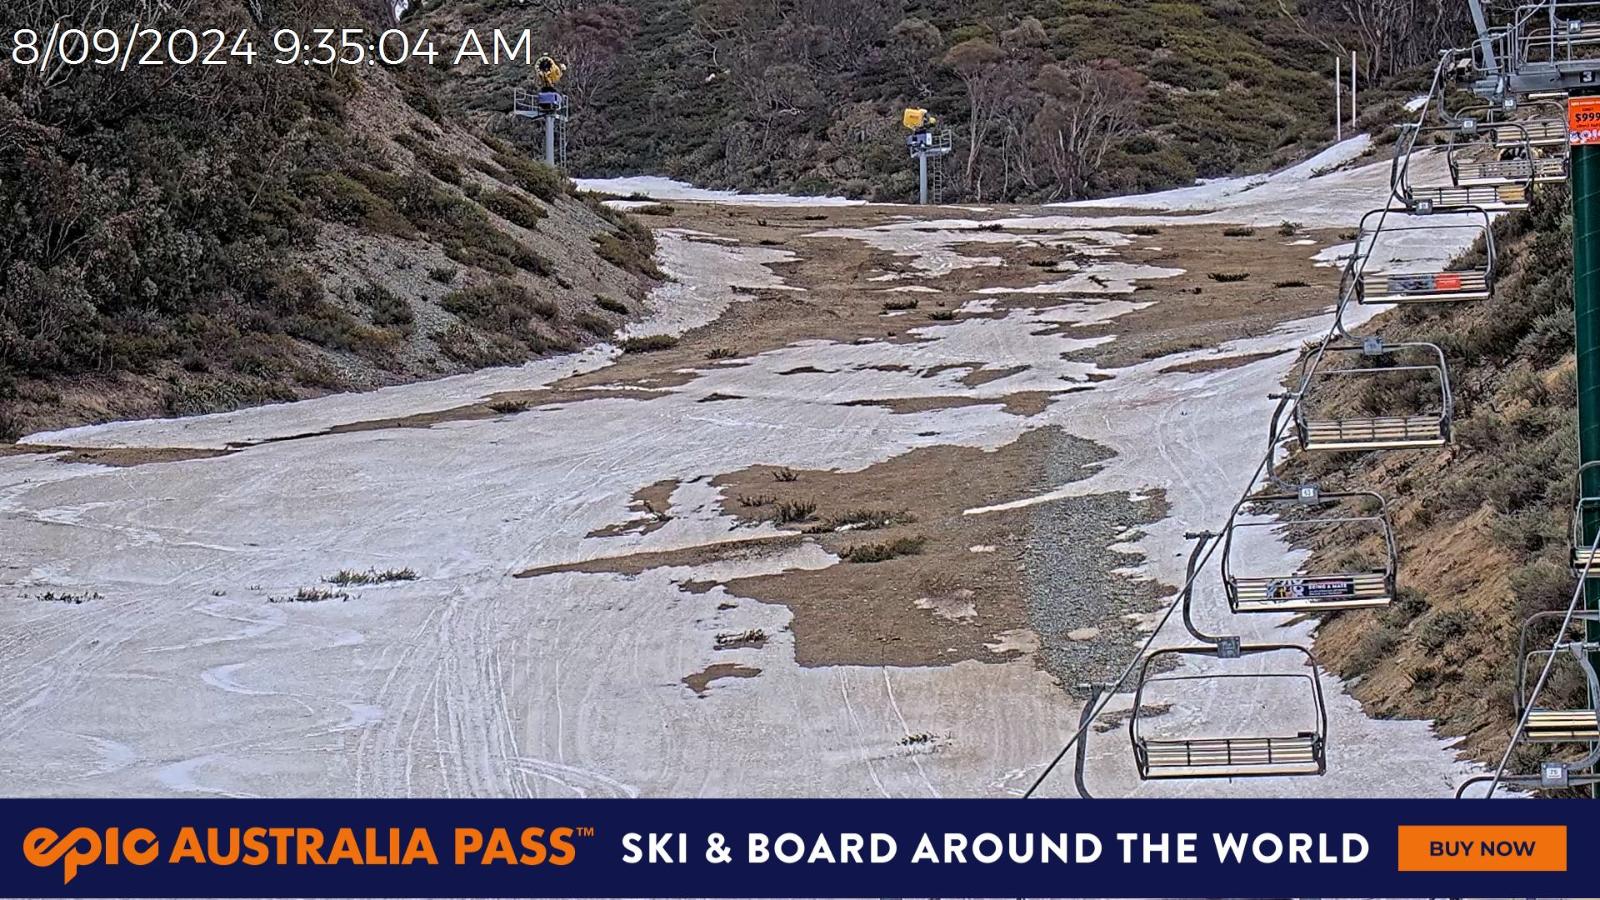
(141, 46)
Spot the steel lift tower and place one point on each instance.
(1550, 50)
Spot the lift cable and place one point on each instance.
(1544, 674)
(1356, 267)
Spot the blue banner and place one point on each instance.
(797, 848)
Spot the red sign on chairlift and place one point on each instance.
(1583, 121)
(1447, 282)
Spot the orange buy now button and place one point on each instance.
(1483, 848)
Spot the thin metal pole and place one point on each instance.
(922, 178)
(1352, 92)
(550, 139)
(1338, 101)
(1585, 160)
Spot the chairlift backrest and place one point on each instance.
(1284, 752)
(1382, 231)
(1359, 433)
(1320, 590)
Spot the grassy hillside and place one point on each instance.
(177, 241)
(1483, 526)
(1059, 97)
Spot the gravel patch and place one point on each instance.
(1078, 602)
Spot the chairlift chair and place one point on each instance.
(1540, 133)
(1362, 587)
(1550, 777)
(1284, 752)
(1546, 129)
(1354, 433)
(1558, 726)
(1585, 555)
(1377, 283)
(1466, 140)
(1563, 37)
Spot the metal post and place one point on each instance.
(1585, 159)
(550, 139)
(1485, 43)
(1338, 101)
(1352, 92)
(922, 178)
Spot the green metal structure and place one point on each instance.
(1585, 162)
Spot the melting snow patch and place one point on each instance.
(657, 188)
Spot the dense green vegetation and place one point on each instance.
(170, 237)
(1048, 99)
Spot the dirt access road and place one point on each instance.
(872, 487)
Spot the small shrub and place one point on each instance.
(630, 256)
(653, 209)
(785, 474)
(1291, 283)
(1229, 277)
(1238, 231)
(443, 274)
(536, 178)
(721, 353)
(610, 304)
(794, 511)
(1144, 230)
(1288, 228)
(1442, 627)
(498, 304)
(649, 343)
(754, 637)
(593, 324)
(69, 599)
(514, 208)
(899, 304)
(870, 519)
(942, 315)
(508, 407)
(347, 577)
(754, 501)
(887, 550)
(387, 309)
(311, 595)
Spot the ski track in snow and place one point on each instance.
(469, 682)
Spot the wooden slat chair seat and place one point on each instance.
(1310, 593)
(1539, 132)
(1495, 173)
(1560, 726)
(1550, 169)
(1423, 287)
(1495, 198)
(1301, 754)
(1375, 433)
(1583, 557)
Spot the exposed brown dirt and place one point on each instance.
(700, 682)
(898, 611)
(120, 457)
(635, 563)
(650, 505)
(842, 303)
(1217, 363)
